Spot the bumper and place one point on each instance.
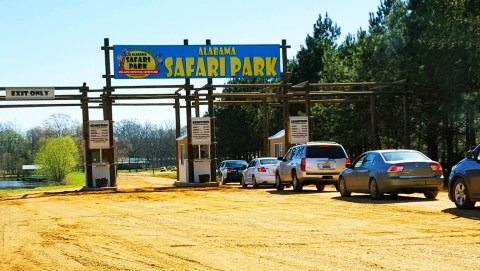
(398, 185)
(265, 179)
(328, 178)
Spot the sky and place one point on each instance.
(57, 43)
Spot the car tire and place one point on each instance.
(223, 180)
(242, 182)
(374, 190)
(336, 187)
(342, 188)
(278, 183)
(320, 187)
(254, 181)
(460, 195)
(297, 184)
(431, 195)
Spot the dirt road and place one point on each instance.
(230, 228)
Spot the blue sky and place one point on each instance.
(57, 43)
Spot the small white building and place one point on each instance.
(276, 144)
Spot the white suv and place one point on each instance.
(318, 163)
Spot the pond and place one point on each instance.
(22, 183)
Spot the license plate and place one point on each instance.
(419, 183)
(326, 165)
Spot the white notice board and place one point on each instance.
(299, 129)
(30, 93)
(99, 134)
(201, 131)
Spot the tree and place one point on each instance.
(58, 125)
(13, 151)
(310, 58)
(57, 157)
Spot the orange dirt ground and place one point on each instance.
(147, 224)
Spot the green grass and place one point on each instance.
(77, 180)
(166, 174)
(73, 180)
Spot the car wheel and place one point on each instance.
(460, 195)
(254, 181)
(242, 181)
(342, 187)
(278, 183)
(224, 181)
(374, 190)
(431, 195)
(320, 187)
(297, 184)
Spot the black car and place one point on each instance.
(231, 171)
(464, 180)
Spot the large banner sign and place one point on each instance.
(196, 61)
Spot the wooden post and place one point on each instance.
(188, 100)
(86, 138)
(266, 131)
(107, 113)
(406, 134)
(308, 111)
(177, 132)
(285, 101)
(373, 122)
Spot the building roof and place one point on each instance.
(30, 167)
(279, 134)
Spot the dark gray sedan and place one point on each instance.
(392, 172)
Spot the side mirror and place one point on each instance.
(469, 154)
(244, 167)
(280, 158)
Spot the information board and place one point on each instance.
(299, 130)
(201, 131)
(99, 134)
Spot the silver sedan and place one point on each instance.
(260, 171)
(392, 172)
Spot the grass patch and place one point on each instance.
(73, 180)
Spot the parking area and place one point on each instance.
(233, 228)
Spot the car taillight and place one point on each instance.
(347, 161)
(396, 168)
(435, 166)
(303, 164)
(261, 169)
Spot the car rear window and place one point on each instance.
(236, 164)
(332, 152)
(404, 156)
(269, 161)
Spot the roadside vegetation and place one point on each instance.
(73, 180)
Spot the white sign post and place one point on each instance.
(201, 131)
(99, 134)
(299, 130)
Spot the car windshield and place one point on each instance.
(236, 164)
(404, 156)
(332, 152)
(269, 161)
